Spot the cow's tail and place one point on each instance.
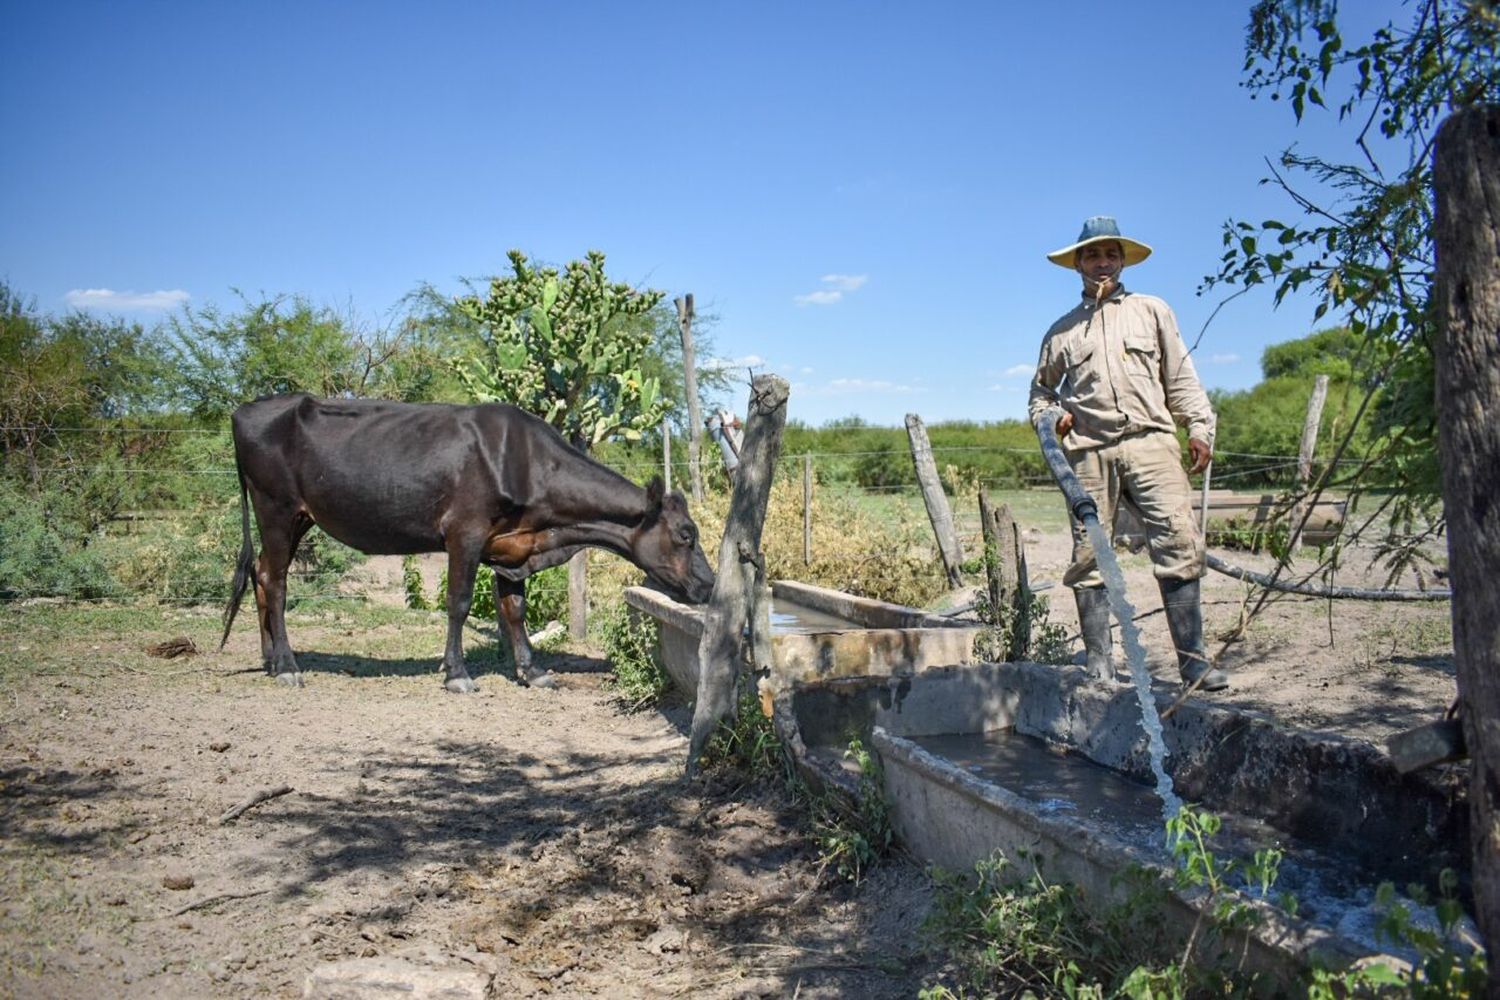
(246, 565)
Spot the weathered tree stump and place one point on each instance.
(1466, 231)
(738, 603)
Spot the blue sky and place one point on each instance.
(861, 192)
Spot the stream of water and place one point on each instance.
(1135, 656)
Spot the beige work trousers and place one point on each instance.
(1147, 470)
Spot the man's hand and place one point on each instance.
(1201, 454)
(1064, 425)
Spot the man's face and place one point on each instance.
(1101, 262)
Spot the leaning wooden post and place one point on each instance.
(738, 603)
(937, 502)
(1305, 456)
(1466, 355)
(685, 316)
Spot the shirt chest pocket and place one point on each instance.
(1081, 364)
(1142, 354)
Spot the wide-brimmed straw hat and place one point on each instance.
(1097, 230)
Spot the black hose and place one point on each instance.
(1079, 502)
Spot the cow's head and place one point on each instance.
(666, 547)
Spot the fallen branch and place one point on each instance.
(264, 795)
(211, 901)
(1318, 590)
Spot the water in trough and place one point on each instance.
(1329, 889)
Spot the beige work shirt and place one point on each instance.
(1120, 367)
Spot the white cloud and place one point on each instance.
(818, 298)
(845, 282)
(734, 364)
(835, 286)
(850, 386)
(108, 300)
(1002, 387)
(1017, 370)
(1223, 359)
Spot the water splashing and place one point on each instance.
(1135, 656)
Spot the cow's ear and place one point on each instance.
(655, 490)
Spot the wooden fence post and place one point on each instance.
(685, 316)
(1305, 456)
(739, 599)
(937, 502)
(578, 595)
(807, 510)
(1466, 355)
(666, 453)
(1005, 568)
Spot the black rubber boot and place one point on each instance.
(1180, 599)
(1093, 622)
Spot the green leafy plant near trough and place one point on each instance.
(629, 640)
(852, 832)
(1018, 936)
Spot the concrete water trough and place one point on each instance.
(818, 634)
(1051, 769)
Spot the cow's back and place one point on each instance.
(380, 476)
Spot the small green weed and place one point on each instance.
(747, 744)
(853, 838)
(852, 834)
(411, 583)
(1047, 642)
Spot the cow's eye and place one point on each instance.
(685, 535)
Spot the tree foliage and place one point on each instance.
(570, 347)
(1361, 242)
(281, 344)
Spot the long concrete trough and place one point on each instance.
(862, 637)
(1048, 767)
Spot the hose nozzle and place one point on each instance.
(1079, 502)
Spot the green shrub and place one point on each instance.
(47, 547)
(630, 640)
(546, 595)
(182, 557)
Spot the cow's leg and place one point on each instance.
(276, 550)
(463, 562)
(510, 609)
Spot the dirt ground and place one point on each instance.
(542, 838)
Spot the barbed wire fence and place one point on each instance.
(216, 484)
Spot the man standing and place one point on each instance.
(1117, 366)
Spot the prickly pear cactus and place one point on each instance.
(568, 347)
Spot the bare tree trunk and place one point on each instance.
(738, 593)
(937, 502)
(1466, 183)
(685, 316)
(1305, 456)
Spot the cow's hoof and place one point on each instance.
(291, 679)
(460, 685)
(546, 679)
